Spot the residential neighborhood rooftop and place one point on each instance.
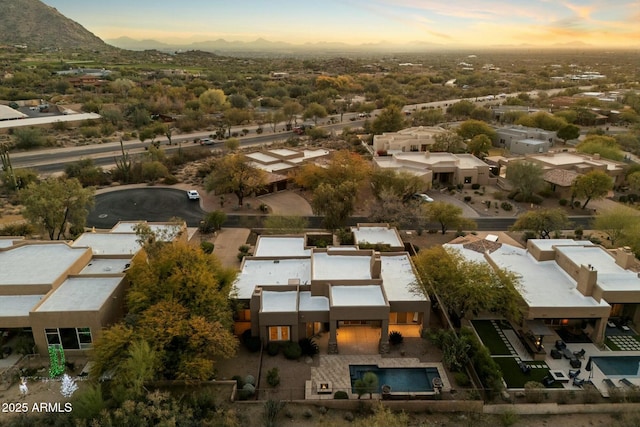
(279, 302)
(18, 305)
(109, 243)
(81, 294)
(400, 281)
(37, 264)
(106, 266)
(313, 303)
(373, 235)
(365, 295)
(327, 266)
(281, 246)
(256, 272)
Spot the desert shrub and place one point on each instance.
(292, 350)
(345, 236)
(340, 395)
(395, 338)
(475, 186)
(243, 251)
(535, 199)
(467, 198)
(273, 348)
(576, 204)
(509, 418)
(308, 347)
(170, 179)
(252, 343)
(622, 199)
(534, 392)
(579, 231)
(528, 235)
(250, 379)
(348, 416)
(207, 247)
(239, 380)
(590, 394)
(273, 377)
(632, 198)
(17, 229)
(563, 202)
(498, 195)
(506, 206)
(461, 379)
(545, 192)
(307, 413)
(213, 221)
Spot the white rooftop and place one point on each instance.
(8, 113)
(284, 152)
(49, 119)
(313, 303)
(37, 264)
(327, 266)
(8, 242)
(548, 244)
(167, 231)
(366, 295)
(543, 284)
(375, 235)
(262, 157)
(611, 276)
(272, 167)
(81, 294)
(281, 246)
(109, 243)
(18, 305)
(400, 282)
(279, 302)
(270, 272)
(106, 266)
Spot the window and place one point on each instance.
(53, 337)
(467, 180)
(70, 338)
(279, 333)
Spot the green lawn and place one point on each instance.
(490, 338)
(514, 377)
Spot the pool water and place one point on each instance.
(399, 379)
(623, 366)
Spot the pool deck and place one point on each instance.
(596, 376)
(334, 370)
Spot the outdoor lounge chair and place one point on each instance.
(524, 368)
(628, 383)
(579, 354)
(578, 382)
(548, 381)
(609, 383)
(560, 345)
(575, 363)
(573, 373)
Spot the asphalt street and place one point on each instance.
(162, 204)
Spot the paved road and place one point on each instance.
(151, 204)
(162, 204)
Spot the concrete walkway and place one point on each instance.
(227, 243)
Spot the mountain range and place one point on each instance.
(36, 25)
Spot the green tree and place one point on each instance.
(179, 304)
(592, 185)
(634, 180)
(291, 110)
(526, 177)
(402, 184)
(605, 146)
(282, 224)
(543, 222)
(367, 384)
(448, 216)
(86, 171)
(315, 111)
(139, 366)
(468, 287)
(617, 222)
(460, 109)
(153, 171)
(335, 202)
(391, 119)
(213, 221)
(234, 174)
(568, 132)
(427, 117)
(389, 207)
(343, 166)
(213, 100)
(57, 205)
(470, 128)
(232, 144)
(448, 142)
(479, 145)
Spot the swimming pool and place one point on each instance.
(399, 379)
(622, 366)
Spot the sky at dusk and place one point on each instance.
(606, 23)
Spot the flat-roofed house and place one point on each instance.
(287, 291)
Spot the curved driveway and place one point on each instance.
(151, 204)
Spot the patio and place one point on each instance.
(495, 336)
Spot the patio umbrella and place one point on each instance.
(588, 367)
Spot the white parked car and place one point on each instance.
(422, 198)
(193, 195)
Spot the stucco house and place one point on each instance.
(65, 293)
(525, 140)
(439, 168)
(414, 139)
(567, 284)
(287, 290)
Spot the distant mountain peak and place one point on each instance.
(36, 25)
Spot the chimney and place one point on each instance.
(376, 267)
(587, 278)
(596, 156)
(624, 257)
